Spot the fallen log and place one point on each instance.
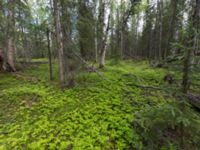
(145, 87)
(194, 100)
(22, 77)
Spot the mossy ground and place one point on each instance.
(98, 113)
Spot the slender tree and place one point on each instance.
(104, 45)
(11, 35)
(60, 46)
(49, 55)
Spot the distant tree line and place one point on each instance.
(160, 31)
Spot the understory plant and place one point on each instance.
(168, 126)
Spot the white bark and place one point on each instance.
(104, 45)
(105, 37)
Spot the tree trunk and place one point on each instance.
(193, 35)
(1, 60)
(104, 45)
(10, 39)
(96, 43)
(148, 32)
(49, 55)
(112, 23)
(118, 36)
(160, 7)
(59, 37)
(122, 42)
(100, 24)
(172, 31)
(102, 59)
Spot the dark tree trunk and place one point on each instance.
(1, 60)
(160, 8)
(193, 35)
(174, 7)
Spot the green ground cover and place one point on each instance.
(104, 111)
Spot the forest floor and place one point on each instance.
(106, 111)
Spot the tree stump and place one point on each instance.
(169, 78)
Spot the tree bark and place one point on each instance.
(100, 24)
(59, 37)
(172, 31)
(10, 39)
(101, 32)
(104, 45)
(193, 35)
(1, 60)
(49, 55)
(160, 7)
(96, 43)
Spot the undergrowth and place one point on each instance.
(103, 111)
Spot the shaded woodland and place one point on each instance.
(136, 58)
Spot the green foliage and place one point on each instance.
(98, 113)
(85, 26)
(166, 125)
